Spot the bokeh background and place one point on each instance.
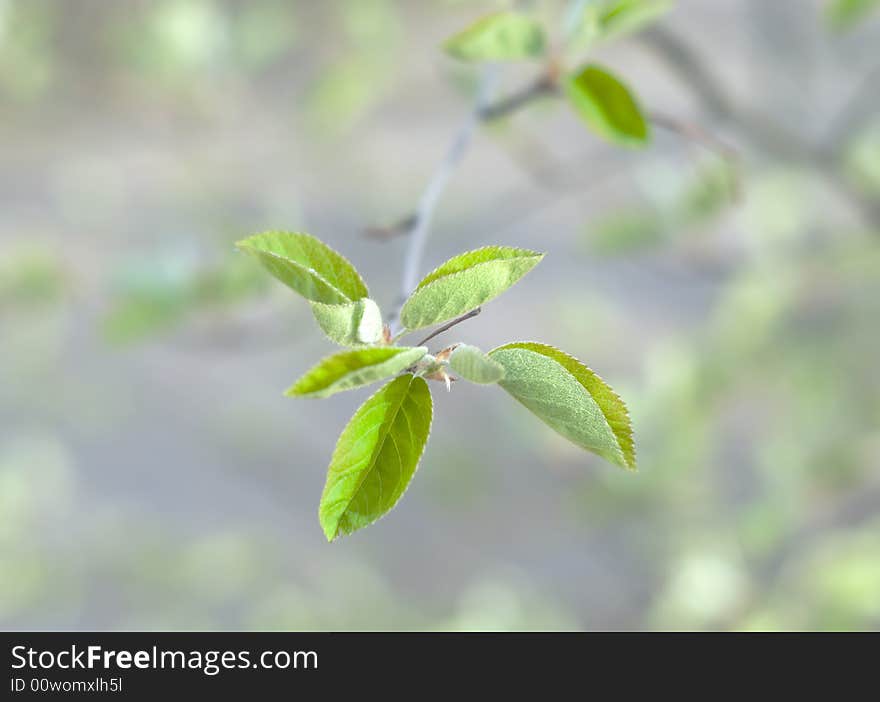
(152, 475)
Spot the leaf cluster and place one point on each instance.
(595, 93)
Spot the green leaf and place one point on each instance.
(307, 265)
(350, 324)
(628, 16)
(612, 19)
(568, 397)
(351, 369)
(846, 14)
(501, 36)
(472, 364)
(607, 106)
(376, 456)
(465, 282)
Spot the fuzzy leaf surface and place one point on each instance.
(307, 265)
(376, 456)
(465, 282)
(470, 363)
(347, 370)
(351, 323)
(568, 397)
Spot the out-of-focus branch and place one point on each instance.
(544, 86)
(761, 131)
(547, 86)
(419, 231)
(484, 111)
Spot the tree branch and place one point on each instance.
(421, 223)
(544, 86)
(446, 327)
(761, 131)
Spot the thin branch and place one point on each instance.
(544, 86)
(418, 234)
(399, 228)
(446, 327)
(483, 112)
(761, 131)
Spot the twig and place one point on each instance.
(418, 234)
(483, 112)
(399, 228)
(544, 86)
(449, 325)
(761, 131)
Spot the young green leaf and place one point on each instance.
(376, 456)
(307, 265)
(350, 324)
(622, 17)
(465, 282)
(607, 106)
(846, 14)
(568, 397)
(351, 369)
(502, 36)
(470, 363)
(611, 19)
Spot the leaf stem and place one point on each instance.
(458, 320)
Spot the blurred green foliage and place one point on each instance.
(150, 489)
(696, 201)
(845, 14)
(156, 294)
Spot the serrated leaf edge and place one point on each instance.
(629, 457)
(528, 254)
(241, 245)
(418, 459)
(289, 392)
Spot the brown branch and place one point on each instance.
(446, 327)
(544, 86)
(392, 231)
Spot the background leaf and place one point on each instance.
(465, 282)
(568, 397)
(351, 369)
(607, 106)
(470, 363)
(846, 14)
(498, 37)
(624, 17)
(376, 456)
(351, 323)
(307, 265)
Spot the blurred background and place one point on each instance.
(153, 476)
